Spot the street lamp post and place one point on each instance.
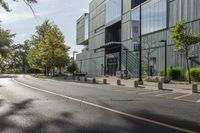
(81, 66)
(126, 73)
(140, 47)
(165, 41)
(74, 52)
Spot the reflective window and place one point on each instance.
(135, 3)
(86, 26)
(113, 9)
(154, 15)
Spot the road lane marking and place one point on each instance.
(183, 96)
(110, 109)
(165, 94)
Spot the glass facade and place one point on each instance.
(113, 10)
(86, 26)
(135, 3)
(154, 15)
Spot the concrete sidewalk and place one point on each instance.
(176, 87)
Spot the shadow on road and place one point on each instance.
(8, 76)
(176, 122)
(65, 122)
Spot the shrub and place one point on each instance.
(173, 73)
(162, 73)
(195, 74)
(34, 71)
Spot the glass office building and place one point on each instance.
(114, 27)
(154, 15)
(113, 10)
(86, 27)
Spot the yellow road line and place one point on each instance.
(198, 101)
(165, 94)
(184, 100)
(111, 110)
(186, 95)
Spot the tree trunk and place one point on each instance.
(45, 71)
(53, 71)
(188, 66)
(60, 71)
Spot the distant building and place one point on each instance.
(113, 25)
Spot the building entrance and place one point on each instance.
(112, 66)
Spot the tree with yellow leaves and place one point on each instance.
(53, 49)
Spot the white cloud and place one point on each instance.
(12, 18)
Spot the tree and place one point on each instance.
(53, 49)
(5, 5)
(62, 57)
(5, 42)
(71, 66)
(148, 51)
(42, 29)
(34, 58)
(19, 56)
(184, 40)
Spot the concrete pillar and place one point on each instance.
(160, 85)
(104, 81)
(194, 88)
(118, 82)
(78, 79)
(94, 81)
(136, 84)
(85, 79)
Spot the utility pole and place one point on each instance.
(140, 48)
(81, 66)
(126, 71)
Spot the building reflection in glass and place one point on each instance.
(113, 10)
(86, 27)
(154, 15)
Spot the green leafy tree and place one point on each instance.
(5, 42)
(71, 67)
(19, 56)
(53, 48)
(62, 57)
(42, 29)
(184, 40)
(34, 58)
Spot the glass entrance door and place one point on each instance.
(112, 66)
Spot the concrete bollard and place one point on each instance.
(118, 82)
(194, 88)
(94, 81)
(104, 81)
(85, 79)
(78, 79)
(136, 84)
(160, 85)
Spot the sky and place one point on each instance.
(63, 13)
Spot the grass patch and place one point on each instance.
(48, 76)
(42, 76)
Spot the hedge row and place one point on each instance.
(195, 74)
(179, 74)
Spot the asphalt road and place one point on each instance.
(30, 105)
